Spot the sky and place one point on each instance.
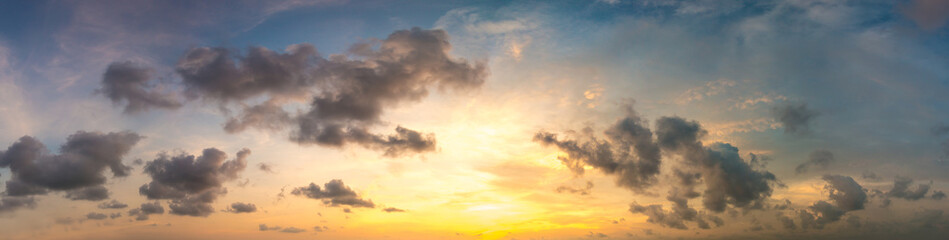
(608, 119)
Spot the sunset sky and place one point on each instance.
(606, 119)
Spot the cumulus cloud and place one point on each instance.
(192, 183)
(348, 93)
(629, 152)
(141, 213)
(796, 118)
(847, 196)
(901, 189)
(392, 210)
(938, 195)
(819, 214)
(240, 207)
(845, 192)
(818, 159)
(333, 193)
(658, 216)
(632, 154)
(113, 204)
(728, 178)
(94, 193)
(9, 204)
(78, 168)
(129, 83)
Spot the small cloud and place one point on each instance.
(392, 209)
(239, 207)
(292, 230)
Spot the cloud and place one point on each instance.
(96, 216)
(141, 213)
(333, 193)
(292, 230)
(629, 152)
(633, 155)
(264, 227)
(9, 204)
(928, 14)
(113, 204)
(820, 214)
(94, 193)
(239, 207)
(115, 215)
(349, 92)
(193, 183)
(796, 118)
(78, 169)
(728, 178)
(657, 215)
(786, 222)
(845, 192)
(265, 167)
(129, 83)
(392, 210)
(938, 195)
(901, 189)
(819, 159)
(582, 191)
(847, 195)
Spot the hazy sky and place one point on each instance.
(611, 119)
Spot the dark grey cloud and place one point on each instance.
(632, 154)
(196, 205)
(582, 191)
(239, 207)
(129, 83)
(96, 216)
(901, 189)
(292, 230)
(658, 216)
(93, 193)
(846, 193)
(938, 195)
(9, 204)
(333, 193)
(77, 169)
(818, 159)
(141, 213)
(192, 183)
(264, 227)
(819, 214)
(115, 215)
(728, 178)
(392, 210)
(113, 204)
(629, 152)
(796, 118)
(348, 92)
